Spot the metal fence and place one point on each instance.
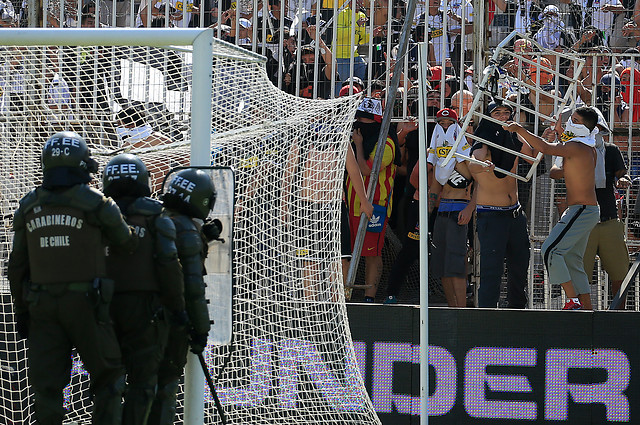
(314, 46)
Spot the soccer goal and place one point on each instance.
(180, 97)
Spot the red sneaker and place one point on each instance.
(572, 305)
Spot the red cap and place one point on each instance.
(345, 90)
(436, 72)
(446, 113)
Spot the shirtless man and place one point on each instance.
(502, 224)
(563, 250)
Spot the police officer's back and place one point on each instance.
(144, 280)
(188, 200)
(56, 272)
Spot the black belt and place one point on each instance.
(515, 213)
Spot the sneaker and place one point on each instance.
(572, 305)
(391, 299)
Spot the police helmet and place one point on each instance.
(191, 192)
(125, 175)
(66, 160)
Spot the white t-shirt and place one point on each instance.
(308, 6)
(438, 37)
(58, 94)
(599, 19)
(462, 8)
(523, 16)
(178, 4)
(11, 81)
(421, 7)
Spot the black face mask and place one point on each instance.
(370, 133)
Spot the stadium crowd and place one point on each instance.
(330, 48)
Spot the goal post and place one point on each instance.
(178, 98)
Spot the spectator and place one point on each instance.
(218, 7)
(300, 9)
(630, 94)
(365, 136)
(155, 15)
(435, 21)
(606, 100)
(444, 136)
(572, 13)
(290, 46)
(591, 37)
(270, 24)
(461, 102)
(435, 76)
(344, 47)
(631, 30)
(305, 83)
(12, 81)
(451, 85)
(563, 250)
(299, 27)
(8, 16)
(600, 14)
(553, 33)
(356, 83)
(461, 11)
(452, 184)
(377, 88)
(631, 58)
(410, 243)
(538, 76)
(135, 131)
(607, 239)
(241, 32)
(179, 13)
(523, 14)
(501, 221)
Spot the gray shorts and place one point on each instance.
(449, 255)
(563, 250)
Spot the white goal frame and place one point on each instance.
(201, 41)
(291, 359)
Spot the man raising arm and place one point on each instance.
(563, 250)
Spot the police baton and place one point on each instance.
(212, 388)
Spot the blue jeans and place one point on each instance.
(343, 66)
(503, 234)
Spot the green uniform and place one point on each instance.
(192, 252)
(144, 280)
(56, 273)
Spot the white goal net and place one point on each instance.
(291, 360)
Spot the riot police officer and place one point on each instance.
(189, 198)
(144, 280)
(57, 275)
